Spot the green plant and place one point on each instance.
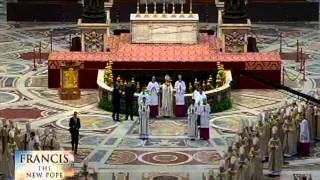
(105, 104)
(223, 105)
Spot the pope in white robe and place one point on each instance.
(204, 120)
(153, 88)
(304, 141)
(180, 88)
(144, 119)
(192, 121)
(167, 97)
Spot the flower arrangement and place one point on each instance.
(108, 75)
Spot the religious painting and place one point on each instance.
(70, 78)
(234, 42)
(93, 41)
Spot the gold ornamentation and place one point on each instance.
(70, 79)
(108, 75)
(93, 41)
(234, 42)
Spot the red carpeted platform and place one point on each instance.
(165, 57)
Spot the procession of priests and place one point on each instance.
(158, 100)
(277, 136)
(12, 138)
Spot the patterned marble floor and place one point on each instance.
(114, 147)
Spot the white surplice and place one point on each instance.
(200, 98)
(143, 95)
(180, 87)
(167, 95)
(153, 88)
(204, 115)
(144, 111)
(304, 132)
(192, 122)
(195, 94)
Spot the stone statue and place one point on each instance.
(235, 11)
(93, 11)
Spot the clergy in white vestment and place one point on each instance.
(4, 136)
(180, 88)
(154, 88)
(195, 94)
(167, 97)
(304, 141)
(143, 94)
(204, 120)
(275, 153)
(192, 121)
(200, 97)
(34, 143)
(12, 147)
(198, 112)
(144, 119)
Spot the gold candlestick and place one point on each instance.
(146, 12)
(181, 12)
(164, 9)
(138, 9)
(173, 9)
(190, 12)
(155, 8)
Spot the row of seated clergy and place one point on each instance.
(13, 139)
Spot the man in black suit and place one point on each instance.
(116, 95)
(129, 97)
(74, 126)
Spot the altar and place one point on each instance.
(164, 28)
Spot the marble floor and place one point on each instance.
(113, 147)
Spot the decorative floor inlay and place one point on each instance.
(121, 157)
(231, 123)
(90, 122)
(165, 176)
(207, 157)
(131, 142)
(21, 114)
(165, 158)
(111, 141)
(165, 143)
(165, 128)
(81, 154)
(6, 98)
(13, 68)
(92, 140)
(98, 156)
